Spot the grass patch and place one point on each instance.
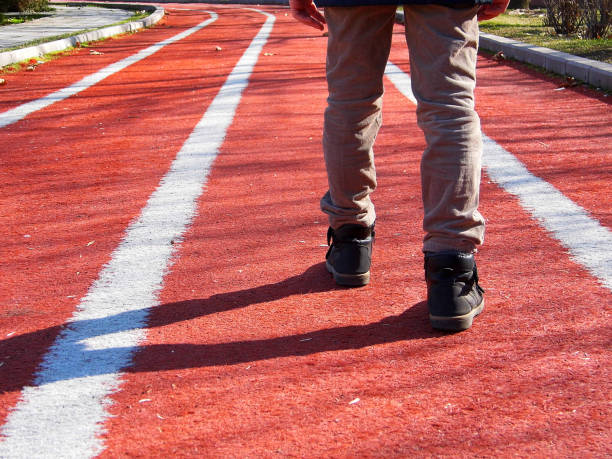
(39, 60)
(35, 61)
(18, 19)
(528, 26)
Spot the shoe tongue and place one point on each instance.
(352, 232)
(458, 262)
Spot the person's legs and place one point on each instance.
(443, 44)
(357, 53)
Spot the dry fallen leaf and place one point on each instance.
(570, 82)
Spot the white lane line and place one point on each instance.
(18, 113)
(589, 243)
(400, 80)
(63, 414)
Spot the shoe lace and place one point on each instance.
(330, 237)
(474, 281)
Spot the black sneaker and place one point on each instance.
(350, 253)
(454, 297)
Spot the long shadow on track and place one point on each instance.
(406, 326)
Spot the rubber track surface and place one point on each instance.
(254, 352)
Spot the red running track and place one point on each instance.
(253, 351)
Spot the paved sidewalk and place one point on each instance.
(64, 20)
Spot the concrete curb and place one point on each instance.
(598, 74)
(10, 57)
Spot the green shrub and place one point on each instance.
(587, 18)
(24, 5)
(563, 16)
(597, 18)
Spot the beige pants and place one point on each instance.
(443, 44)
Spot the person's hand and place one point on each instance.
(492, 10)
(307, 13)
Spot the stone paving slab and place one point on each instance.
(64, 20)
